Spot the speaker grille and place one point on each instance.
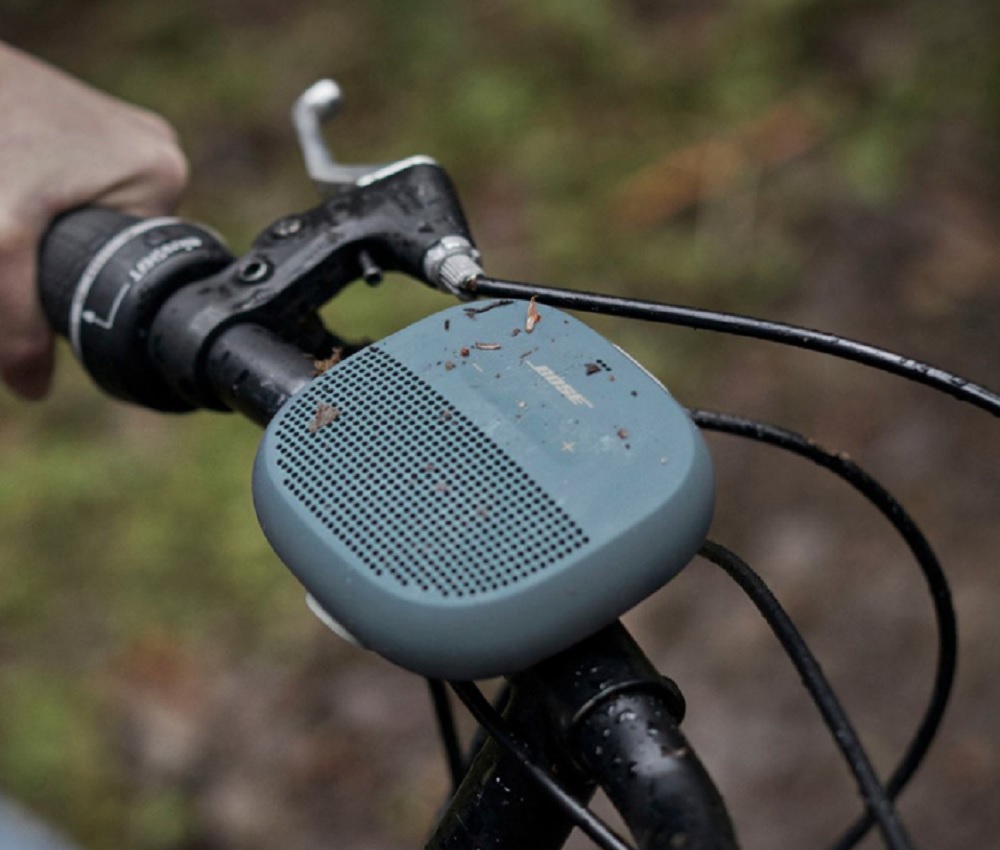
(413, 488)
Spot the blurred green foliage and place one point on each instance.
(116, 525)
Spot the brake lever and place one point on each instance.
(314, 108)
(448, 263)
(403, 216)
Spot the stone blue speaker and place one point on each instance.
(467, 497)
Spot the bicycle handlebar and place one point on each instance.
(145, 303)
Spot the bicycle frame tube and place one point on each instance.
(498, 805)
(596, 713)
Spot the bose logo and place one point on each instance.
(560, 385)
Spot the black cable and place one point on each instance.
(836, 719)
(799, 337)
(937, 584)
(446, 728)
(495, 725)
(480, 736)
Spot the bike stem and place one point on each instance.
(598, 714)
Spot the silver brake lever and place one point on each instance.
(449, 263)
(315, 107)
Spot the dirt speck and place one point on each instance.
(325, 415)
(591, 368)
(488, 346)
(464, 351)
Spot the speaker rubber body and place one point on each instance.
(466, 498)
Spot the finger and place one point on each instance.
(27, 370)
(26, 345)
(155, 183)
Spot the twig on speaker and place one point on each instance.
(533, 316)
(472, 312)
(322, 366)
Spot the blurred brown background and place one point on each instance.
(830, 163)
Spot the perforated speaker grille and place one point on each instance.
(416, 491)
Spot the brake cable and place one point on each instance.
(937, 585)
(819, 688)
(731, 323)
(489, 718)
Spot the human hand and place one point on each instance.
(64, 144)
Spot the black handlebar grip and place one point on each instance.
(102, 278)
(72, 241)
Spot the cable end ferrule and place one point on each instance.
(450, 263)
